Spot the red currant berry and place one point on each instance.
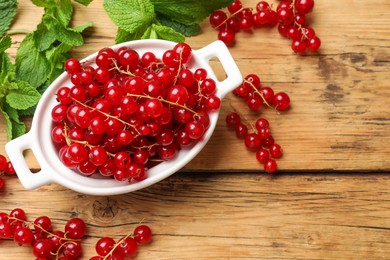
(217, 18)
(252, 142)
(72, 66)
(314, 43)
(104, 245)
(262, 155)
(42, 224)
(233, 119)
(227, 36)
(241, 130)
(270, 166)
(281, 101)
(304, 6)
(275, 151)
(23, 235)
(142, 234)
(75, 228)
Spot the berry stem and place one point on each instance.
(165, 101)
(258, 92)
(230, 16)
(107, 115)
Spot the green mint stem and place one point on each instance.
(17, 31)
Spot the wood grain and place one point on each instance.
(228, 216)
(331, 198)
(339, 117)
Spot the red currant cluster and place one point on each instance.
(46, 243)
(256, 95)
(6, 168)
(108, 248)
(131, 111)
(260, 140)
(290, 16)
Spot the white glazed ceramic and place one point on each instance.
(38, 139)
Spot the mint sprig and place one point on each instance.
(39, 60)
(15, 94)
(159, 19)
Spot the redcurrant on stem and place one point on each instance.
(107, 115)
(258, 92)
(117, 68)
(165, 101)
(231, 15)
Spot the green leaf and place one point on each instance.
(5, 43)
(130, 15)
(23, 97)
(149, 34)
(57, 57)
(62, 11)
(7, 14)
(81, 28)
(67, 35)
(31, 65)
(188, 11)
(84, 2)
(186, 30)
(167, 33)
(124, 36)
(44, 3)
(7, 73)
(43, 37)
(13, 126)
(8, 124)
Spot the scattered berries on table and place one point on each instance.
(289, 17)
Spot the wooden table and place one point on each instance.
(331, 197)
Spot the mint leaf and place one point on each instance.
(14, 127)
(57, 57)
(31, 65)
(124, 36)
(130, 15)
(81, 28)
(67, 35)
(7, 14)
(44, 3)
(188, 11)
(8, 124)
(23, 97)
(43, 37)
(62, 11)
(150, 33)
(167, 33)
(7, 72)
(5, 43)
(186, 30)
(84, 2)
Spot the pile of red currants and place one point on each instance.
(131, 112)
(289, 17)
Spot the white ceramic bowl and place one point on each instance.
(38, 139)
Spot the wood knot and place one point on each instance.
(105, 208)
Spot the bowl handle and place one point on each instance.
(233, 75)
(15, 149)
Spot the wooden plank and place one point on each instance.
(339, 117)
(228, 216)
